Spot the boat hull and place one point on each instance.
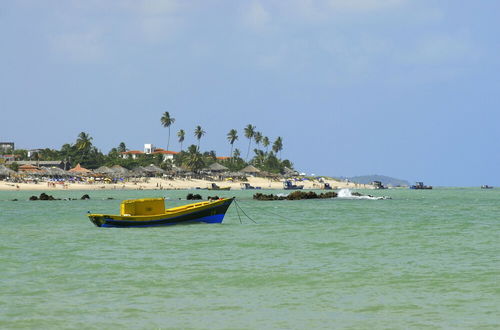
(212, 213)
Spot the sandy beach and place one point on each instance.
(176, 184)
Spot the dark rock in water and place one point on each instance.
(110, 198)
(193, 197)
(45, 197)
(357, 194)
(14, 200)
(85, 197)
(33, 198)
(210, 198)
(296, 195)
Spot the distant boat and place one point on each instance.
(151, 212)
(485, 186)
(247, 186)
(378, 185)
(214, 186)
(420, 185)
(288, 185)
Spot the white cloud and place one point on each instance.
(256, 16)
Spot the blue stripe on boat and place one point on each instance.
(217, 218)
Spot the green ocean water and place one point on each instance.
(424, 259)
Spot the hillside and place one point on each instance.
(386, 180)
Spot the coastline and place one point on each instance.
(176, 184)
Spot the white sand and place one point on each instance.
(160, 183)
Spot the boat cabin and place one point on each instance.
(420, 185)
(287, 185)
(378, 185)
(145, 206)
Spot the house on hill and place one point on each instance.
(6, 146)
(134, 154)
(149, 149)
(166, 154)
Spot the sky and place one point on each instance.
(404, 88)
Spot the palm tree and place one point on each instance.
(232, 136)
(258, 138)
(84, 142)
(194, 159)
(166, 121)
(278, 145)
(236, 153)
(181, 134)
(265, 143)
(198, 133)
(122, 147)
(259, 158)
(249, 134)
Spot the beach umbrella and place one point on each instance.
(78, 169)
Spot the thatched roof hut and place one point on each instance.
(138, 171)
(288, 172)
(153, 169)
(56, 171)
(250, 169)
(5, 171)
(119, 171)
(103, 170)
(216, 167)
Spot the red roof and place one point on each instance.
(223, 158)
(28, 167)
(165, 152)
(78, 168)
(132, 152)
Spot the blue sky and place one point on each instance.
(396, 87)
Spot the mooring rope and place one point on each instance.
(238, 212)
(272, 213)
(238, 206)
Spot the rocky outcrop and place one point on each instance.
(296, 195)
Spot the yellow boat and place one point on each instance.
(151, 212)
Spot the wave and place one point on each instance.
(347, 194)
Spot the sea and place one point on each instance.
(426, 259)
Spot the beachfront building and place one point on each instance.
(166, 154)
(132, 154)
(149, 149)
(7, 158)
(6, 146)
(32, 152)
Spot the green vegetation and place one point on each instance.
(84, 152)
